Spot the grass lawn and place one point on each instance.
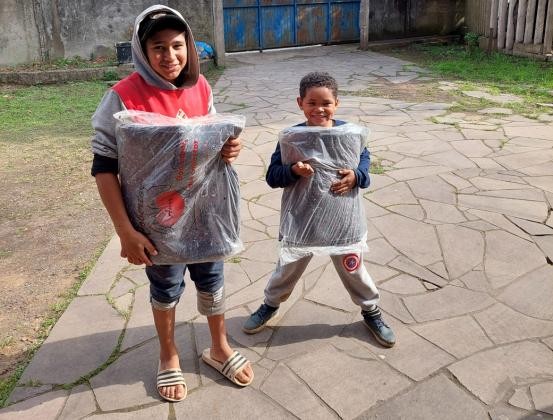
(58, 109)
(496, 73)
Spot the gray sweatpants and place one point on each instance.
(351, 271)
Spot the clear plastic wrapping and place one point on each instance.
(314, 220)
(177, 189)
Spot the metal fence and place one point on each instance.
(520, 27)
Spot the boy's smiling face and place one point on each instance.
(318, 106)
(167, 54)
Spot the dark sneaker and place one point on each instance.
(257, 321)
(379, 329)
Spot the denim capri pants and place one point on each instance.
(167, 286)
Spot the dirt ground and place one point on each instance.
(52, 224)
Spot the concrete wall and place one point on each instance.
(17, 43)
(389, 19)
(49, 29)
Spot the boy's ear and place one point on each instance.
(337, 102)
(300, 101)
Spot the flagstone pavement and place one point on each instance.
(460, 232)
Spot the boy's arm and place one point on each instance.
(362, 171)
(104, 169)
(104, 142)
(353, 177)
(134, 245)
(278, 174)
(231, 149)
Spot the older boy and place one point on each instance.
(318, 101)
(166, 81)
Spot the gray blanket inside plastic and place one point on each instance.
(311, 215)
(177, 189)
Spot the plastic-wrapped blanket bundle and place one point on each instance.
(314, 220)
(177, 189)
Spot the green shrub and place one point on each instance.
(110, 75)
(472, 40)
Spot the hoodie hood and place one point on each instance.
(188, 77)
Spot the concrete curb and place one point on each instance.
(29, 78)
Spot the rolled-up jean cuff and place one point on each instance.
(211, 303)
(163, 306)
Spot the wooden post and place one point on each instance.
(521, 19)
(540, 22)
(509, 42)
(502, 24)
(364, 25)
(529, 24)
(493, 25)
(219, 32)
(548, 36)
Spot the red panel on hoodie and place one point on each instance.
(136, 94)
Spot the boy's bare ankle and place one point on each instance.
(169, 358)
(221, 353)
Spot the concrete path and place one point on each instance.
(461, 239)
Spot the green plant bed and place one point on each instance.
(508, 73)
(495, 73)
(64, 64)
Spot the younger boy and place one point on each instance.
(318, 101)
(166, 81)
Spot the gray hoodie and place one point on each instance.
(104, 141)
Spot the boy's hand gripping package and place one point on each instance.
(177, 189)
(313, 219)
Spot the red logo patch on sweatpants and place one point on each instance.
(351, 262)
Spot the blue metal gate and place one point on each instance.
(262, 24)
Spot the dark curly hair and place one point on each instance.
(318, 79)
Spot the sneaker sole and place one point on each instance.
(380, 341)
(262, 326)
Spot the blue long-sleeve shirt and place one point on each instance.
(280, 175)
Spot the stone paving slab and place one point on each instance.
(521, 399)
(542, 395)
(436, 399)
(492, 374)
(80, 403)
(448, 302)
(45, 406)
(460, 237)
(371, 380)
(460, 337)
(501, 98)
(285, 387)
(415, 357)
(160, 411)
(88, 323)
